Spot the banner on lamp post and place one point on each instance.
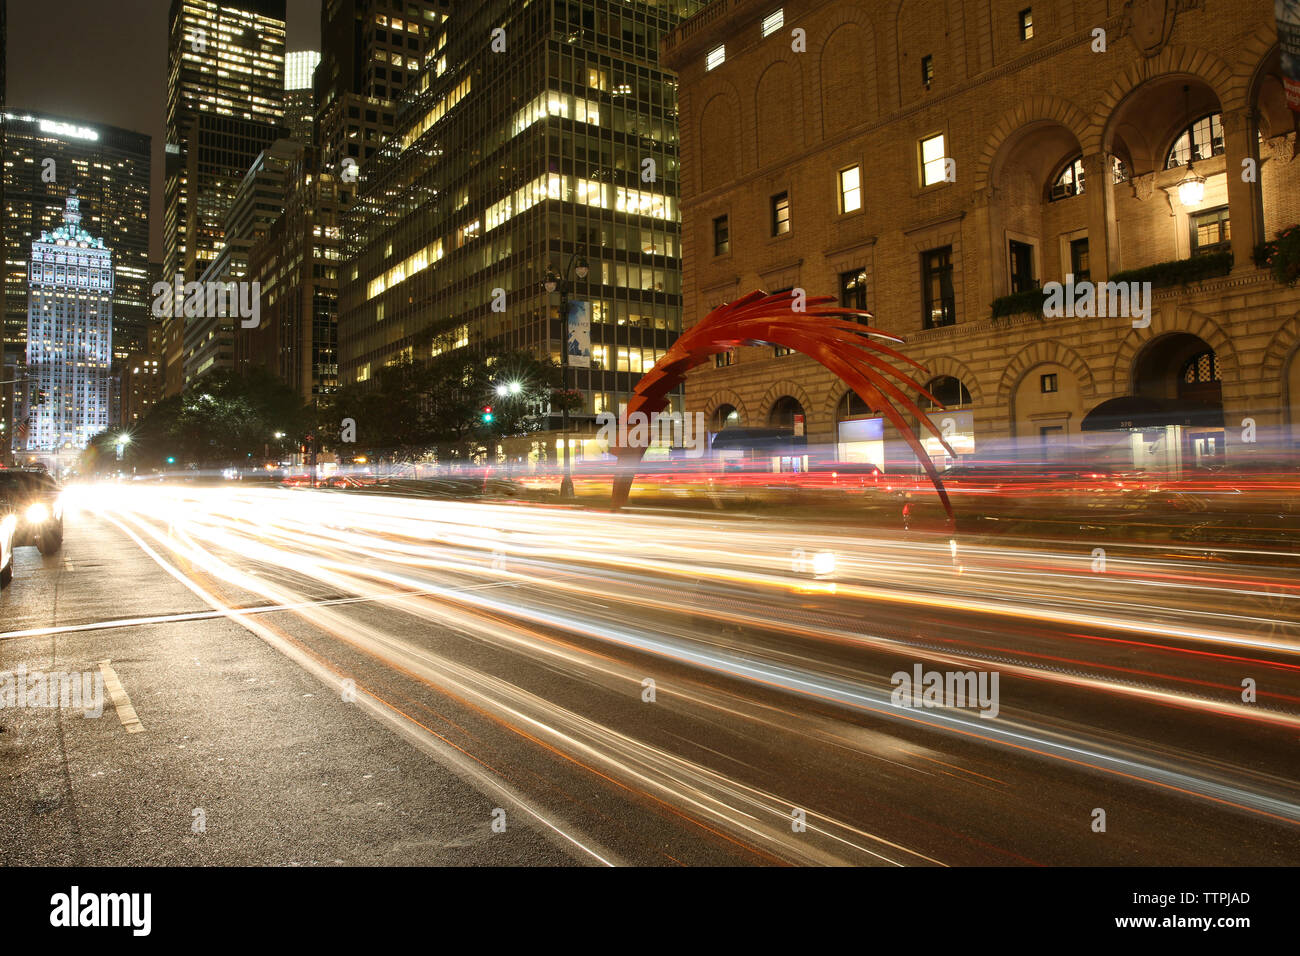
(578, 344)
(1288, 36)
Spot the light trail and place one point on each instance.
(579, 591)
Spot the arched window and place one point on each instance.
(784, 412)
(1118, 171)
(851, 406)
(1206, 135)
(948, 390)
(1070, 180)
(1200, 369)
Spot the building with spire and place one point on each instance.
(69, 344)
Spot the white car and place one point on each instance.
(8, 529)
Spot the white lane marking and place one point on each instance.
(232, 612)
(121, 702)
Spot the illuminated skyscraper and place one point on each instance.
(209, 340)
(45, 157)
(69, 342)
(225, 104)
(299, 98)
(371, 52)
(538, 134)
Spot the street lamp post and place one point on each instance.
(553, 281)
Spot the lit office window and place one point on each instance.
(1026, 24)
(773, 21)
(780, 214)
(932, 160)
(851, 189)
(717, 56)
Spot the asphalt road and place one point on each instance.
(351, 678)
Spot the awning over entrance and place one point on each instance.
(1136, 411)
(773, 441)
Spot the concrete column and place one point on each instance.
(1101, 217)
(1245, 206)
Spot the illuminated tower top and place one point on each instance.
(71, 232)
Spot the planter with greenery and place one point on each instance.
(1179, 271)
(1281, 256)
(1029, 302)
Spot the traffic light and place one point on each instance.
(171, 459)
(487, 414)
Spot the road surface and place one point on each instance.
(357, 678)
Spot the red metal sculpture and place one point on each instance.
(846, 348)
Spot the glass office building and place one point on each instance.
(537, 133)
(225, 104)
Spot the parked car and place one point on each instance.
(8, 527)
(36, 500)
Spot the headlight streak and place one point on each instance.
(270, 531)
(642, 764)
(379, 708)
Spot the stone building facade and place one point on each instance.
(927, 158)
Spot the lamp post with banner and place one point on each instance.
(563, 283)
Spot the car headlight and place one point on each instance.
(38, 514)
(823, 563)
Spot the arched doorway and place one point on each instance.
(724, 416)
(1046, 411)
(787, 414)
(1173, 420)
(859, 432)
(956, 419)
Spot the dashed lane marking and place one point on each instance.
(121, 702)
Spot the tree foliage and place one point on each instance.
(414, 409)
(226, 418)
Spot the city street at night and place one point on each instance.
(812, 454)
(342, 654)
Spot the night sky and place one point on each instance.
(105, 61)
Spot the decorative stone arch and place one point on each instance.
(953, 54)
(1041, 353)
(1172, 60)
(724, 91)
(1168, 320)
(834, 396)
(1281, 348)
(792, 61)
(1249, 64)
(933, 369)
(842, 15)
(724, 396)
(945, 365)
(1035, 109)
(780, 389)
